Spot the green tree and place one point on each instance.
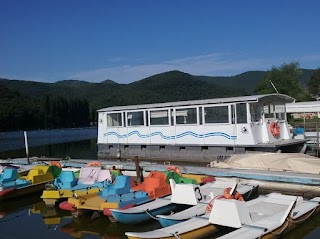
(286, 80)
(314, 83)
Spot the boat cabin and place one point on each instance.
(196, 130)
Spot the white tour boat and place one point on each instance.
(198, 130)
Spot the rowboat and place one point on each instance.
(217, 190)
(193, 198)
(267, 216)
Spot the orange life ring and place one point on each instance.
(275, 129)
(94, 164)
(227, 195)
(175, 169)
(210, 204)
(56, 163)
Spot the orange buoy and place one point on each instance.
(56, 163)
(174, 169)
(227, 195)
(94, 164)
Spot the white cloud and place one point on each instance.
(216, 64)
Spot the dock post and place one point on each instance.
(317, 141)
(26, 145)
(136, 161)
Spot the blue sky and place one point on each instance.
(126, 41)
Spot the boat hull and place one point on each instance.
(166, 222)
(197, 233)
(194, 153)
(52, 197)
(136, 218)
(23, 191)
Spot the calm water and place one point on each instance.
(75, 143)
(30, 218)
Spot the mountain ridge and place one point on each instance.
(166, 86)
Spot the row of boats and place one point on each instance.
(185, 205)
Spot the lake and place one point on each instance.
(74, 143)
(29, 217)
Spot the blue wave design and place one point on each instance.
(158, 133)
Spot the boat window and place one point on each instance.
(124, 119)
(159, 117)
(216, 114)
(255, 112)
(233, 114)
(268, 110)
(242, 113)
(147, 116)
(135, 118)
(114, 119)
(200, 115)
(186, 116)
(172, 118)
(280, 112)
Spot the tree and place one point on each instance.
(286, 80)
(314, 83)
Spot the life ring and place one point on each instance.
(94, 164)
(275, 129)
(55, 163)
(210, 204)
(227, 195)
(175, 169)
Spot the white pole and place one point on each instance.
(274, 87)
(26, 145)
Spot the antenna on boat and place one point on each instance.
(274, 87)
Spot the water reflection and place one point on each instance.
(81, 226)
(308, 230)
(84, 149)
(75, 143)
(36, 220)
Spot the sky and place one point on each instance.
(128, 40)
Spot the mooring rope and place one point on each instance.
(150, 215)
(286, 223)
(176, 235)
(303, 219)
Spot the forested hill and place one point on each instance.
(248, 80)
(164, 87)
(168, 86)
(73, 103)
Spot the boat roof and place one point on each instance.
(252, 98)
(303, 107)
